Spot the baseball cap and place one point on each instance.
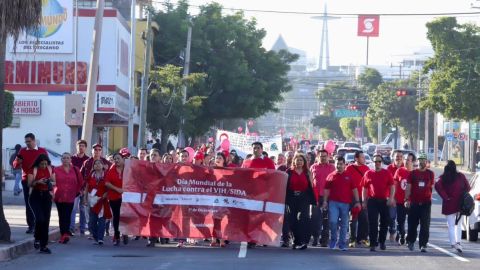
(124, 152)
(97, 145)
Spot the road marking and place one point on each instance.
(435, 199)
(243, 250)
(449, 253)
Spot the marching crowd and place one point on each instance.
(337, 205)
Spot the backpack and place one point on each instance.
(467, 205)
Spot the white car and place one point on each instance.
(473, 221)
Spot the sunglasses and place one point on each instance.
(377, 161)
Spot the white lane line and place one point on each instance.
(449, 253)
(435, 199)
(243, 250)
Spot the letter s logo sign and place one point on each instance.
(368, 25)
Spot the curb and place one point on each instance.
(24, 246)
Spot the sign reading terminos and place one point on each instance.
(27, 107)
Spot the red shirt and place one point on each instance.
(319, 175)
(114, 178)
(96, 183)
(78, 161)
(392, 168)
(378, 183)
(259, 163)
(421, 186)
(29, 157)
(400, 179)
(68, 184)
(41, 175)
(298, 182)
(357, 173)
(341, 186)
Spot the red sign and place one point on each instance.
(368, 25)
(180, 201)
(27, 107)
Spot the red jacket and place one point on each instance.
(451, 194)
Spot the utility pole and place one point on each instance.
(186, 71)
(379, 131)
(144, 91)
(131, 75)
(435, 139)
(93, 74)
(426, 132)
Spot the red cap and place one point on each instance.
(124, 152)
(199, 156)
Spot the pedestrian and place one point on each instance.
(358, 223)
(155, 157)
(217, 239)
(340, 188)
(320, 170)
(451, 186)
(258, 160)
(418, 198)
(41, 180)
(69, 183)
(24, 160)
(377, 187)
(298, 200)
(183, 156)
(166, 158)
(281, 164)
(97, 202)
(392, 168)
(17, 173)
(400, 180)
(113, 182)
(142, 154)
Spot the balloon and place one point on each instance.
(225, 145)
(190, 153)
(329, 146)
(210, 139)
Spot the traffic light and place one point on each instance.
(352, 107)
(401, 92)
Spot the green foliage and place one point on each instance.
(371, 125)
(8, 109)
(328, 122)
(369, 80)
(328, 133)
(454, 69)
(348, 126)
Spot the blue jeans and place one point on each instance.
(393, 216)
(77, 206)
(96, 226)
(18, 178)
(336, 211)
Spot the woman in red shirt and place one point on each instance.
(220, 162)
(298, 200)
(114, 183)
(68, 186)
(41, 180)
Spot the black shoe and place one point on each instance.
(383, 246)
(402, 241)
(423, 249)
(324, 244)
(150, 243)
(71, 233)
(411, 247)
(372, 248)
(294, 246)
(284, 245)
(29, 231)
(36, 244)
(304, 246)
(116, 242)
(315, 242)
(45, 250)
(125, 239)
(397, 237)
(100, 242)
(251, 245)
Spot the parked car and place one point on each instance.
(369, 148)
(341, 151)
(351, 144)
(471, 224)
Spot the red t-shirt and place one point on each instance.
(29, 156)
(421, 186)
(341, 187)
(298, 182)
(320, 173)
(378, 183)
(41, 175)
(400, 179)
(392, 168)
(357, 173)
(259, 163)
(114, 178)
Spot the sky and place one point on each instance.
(400, 36)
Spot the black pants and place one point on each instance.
(401, 217)
(286, 226)
(64, 216)
(377, 208)
(359, 227)
(41, 204)
(28, 211)
(115, 205)
(299, 217)
(319, 223)
(419, 213)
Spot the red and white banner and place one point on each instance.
(368, 25)
(180, 201)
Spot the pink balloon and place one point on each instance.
(329, 146)
(225, 145)
(210, 139)
(191, 152)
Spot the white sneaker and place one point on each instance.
(459, 247)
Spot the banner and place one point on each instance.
(187, 201)
(55, 33)
(368, 25)
(243, 143)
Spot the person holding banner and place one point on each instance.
(298, 200)
(258, 161)
(220, 162)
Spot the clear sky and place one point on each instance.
(399, 35)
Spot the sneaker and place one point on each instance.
(352, 244)
(36, 244)
(383, 246)
(45, 250)
(284, 245)
(423, 249)
(180, 244)
(459, 247)
(343, 248)
(315, 242)
(365, 243)
(411, 246)
(116, 242)
(402, 241)
(294, 246)
(30, 231)
(397, 237)
(303, 247)
(332, 244)
(372, 248)
(125, 239)
(100, 242)
(150, 243)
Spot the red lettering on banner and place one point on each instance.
(9, 71)
(44, 72)
(21, 71)
(58, 72)
(82, 72)
(33, 72)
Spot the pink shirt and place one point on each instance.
(68, 185)
(320, 173)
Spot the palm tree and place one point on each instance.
(15, 17)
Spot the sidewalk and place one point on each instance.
(14, 208)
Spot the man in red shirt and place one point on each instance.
(377, 187)
(358, 225)
(418, 198)
(320, 171)
(79, 158)
(338, 192)
(24, 160)
(258, 161)
(392, 168)
(400, 179)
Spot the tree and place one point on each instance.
(15, 17)
(454, 69)
(8, 109)
(369, 80)
(329, 125)
(348, 126)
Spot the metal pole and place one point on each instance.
(362, 127)
(368, 39)
(435, 139)
(131, 76)
(93, 74)
(186, 71)
(379, 131)
(418, 120)
(75, 82)
(144, 92)
(426, 132)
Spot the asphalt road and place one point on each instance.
(81, 254)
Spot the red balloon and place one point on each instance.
(329, 146)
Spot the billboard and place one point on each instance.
(55, 33)
(368, 25)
